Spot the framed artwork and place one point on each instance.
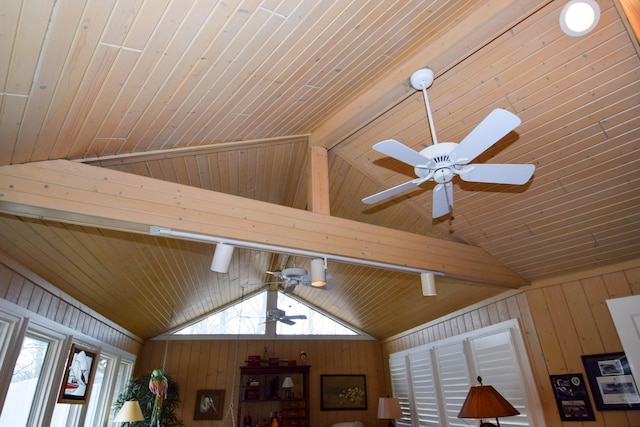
(612, 384)
(343, 392)
(209, 405)
(572, 398)
(78, 375)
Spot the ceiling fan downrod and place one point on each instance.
(421, 80)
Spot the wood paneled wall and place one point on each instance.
(215, 364)
(561, 319)
(29, 291)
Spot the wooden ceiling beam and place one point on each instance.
(487, 22)
(72, 192)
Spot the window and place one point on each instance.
(432, 381)
(31, 380)
(247, 317)
(125, 369)
(33, 353)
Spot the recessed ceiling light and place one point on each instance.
(579, 17)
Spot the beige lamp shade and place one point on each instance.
(130, 411)
(287, 383)
(389, 408)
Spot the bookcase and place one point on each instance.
(262, 395)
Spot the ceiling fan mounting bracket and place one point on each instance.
(422, 79)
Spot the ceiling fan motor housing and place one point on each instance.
(440, 163)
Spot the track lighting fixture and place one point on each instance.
(222, 258)
(428, 280)
(318, 272)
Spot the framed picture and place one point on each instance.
(78, 375)
(209, 405)
(611, 382)
(572, 398)
(343, 392)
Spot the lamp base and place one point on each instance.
(390, 424)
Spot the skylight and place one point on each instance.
(248, 317)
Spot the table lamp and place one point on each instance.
(130, 411)
(389, 409)
(483, 401)
(287, 385)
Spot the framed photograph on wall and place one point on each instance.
(612, 384)
(343, 392)
(78, 375)
(209, 405)
(572, 398)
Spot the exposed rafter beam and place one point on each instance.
(447, 50)
(72, 192)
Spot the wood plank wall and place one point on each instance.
(29, 291)
(215, 364)
(561, 318)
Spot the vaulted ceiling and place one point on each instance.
(254, 120)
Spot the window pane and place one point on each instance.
(96, 396)
(122, 376)
(24, 382)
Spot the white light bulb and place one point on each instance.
(579, 17)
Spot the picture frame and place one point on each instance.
(571, 395)
(343, 392)
(209, 405)
(612, 384)
(78, 375)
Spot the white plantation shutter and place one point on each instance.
(424, 393)
(453, 374)
(400, 386)
(432, 381)
(497, 363)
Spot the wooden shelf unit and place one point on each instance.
(261, 394)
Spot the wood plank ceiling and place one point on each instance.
(228, 96)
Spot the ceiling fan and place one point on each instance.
(280, 316)
(292, 277)
(441, 162)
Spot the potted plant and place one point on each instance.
(138, 389)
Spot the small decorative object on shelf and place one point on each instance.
(303, 357)
(282, 394)
(247, 421)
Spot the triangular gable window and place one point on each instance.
(245, 318)
(248, 317)
(316, 322)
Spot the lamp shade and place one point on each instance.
(222, 258)
(318, 276)
(389, 408)
(287, 383)
(130, 411)
(483, 401)
(428, 284)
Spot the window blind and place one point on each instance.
(432, 381)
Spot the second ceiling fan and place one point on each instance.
(440, 162)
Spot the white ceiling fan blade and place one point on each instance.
(442, 199)
(296, 316)
(390, 192)
(495, 126)
(399, 151)
(497, 174)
